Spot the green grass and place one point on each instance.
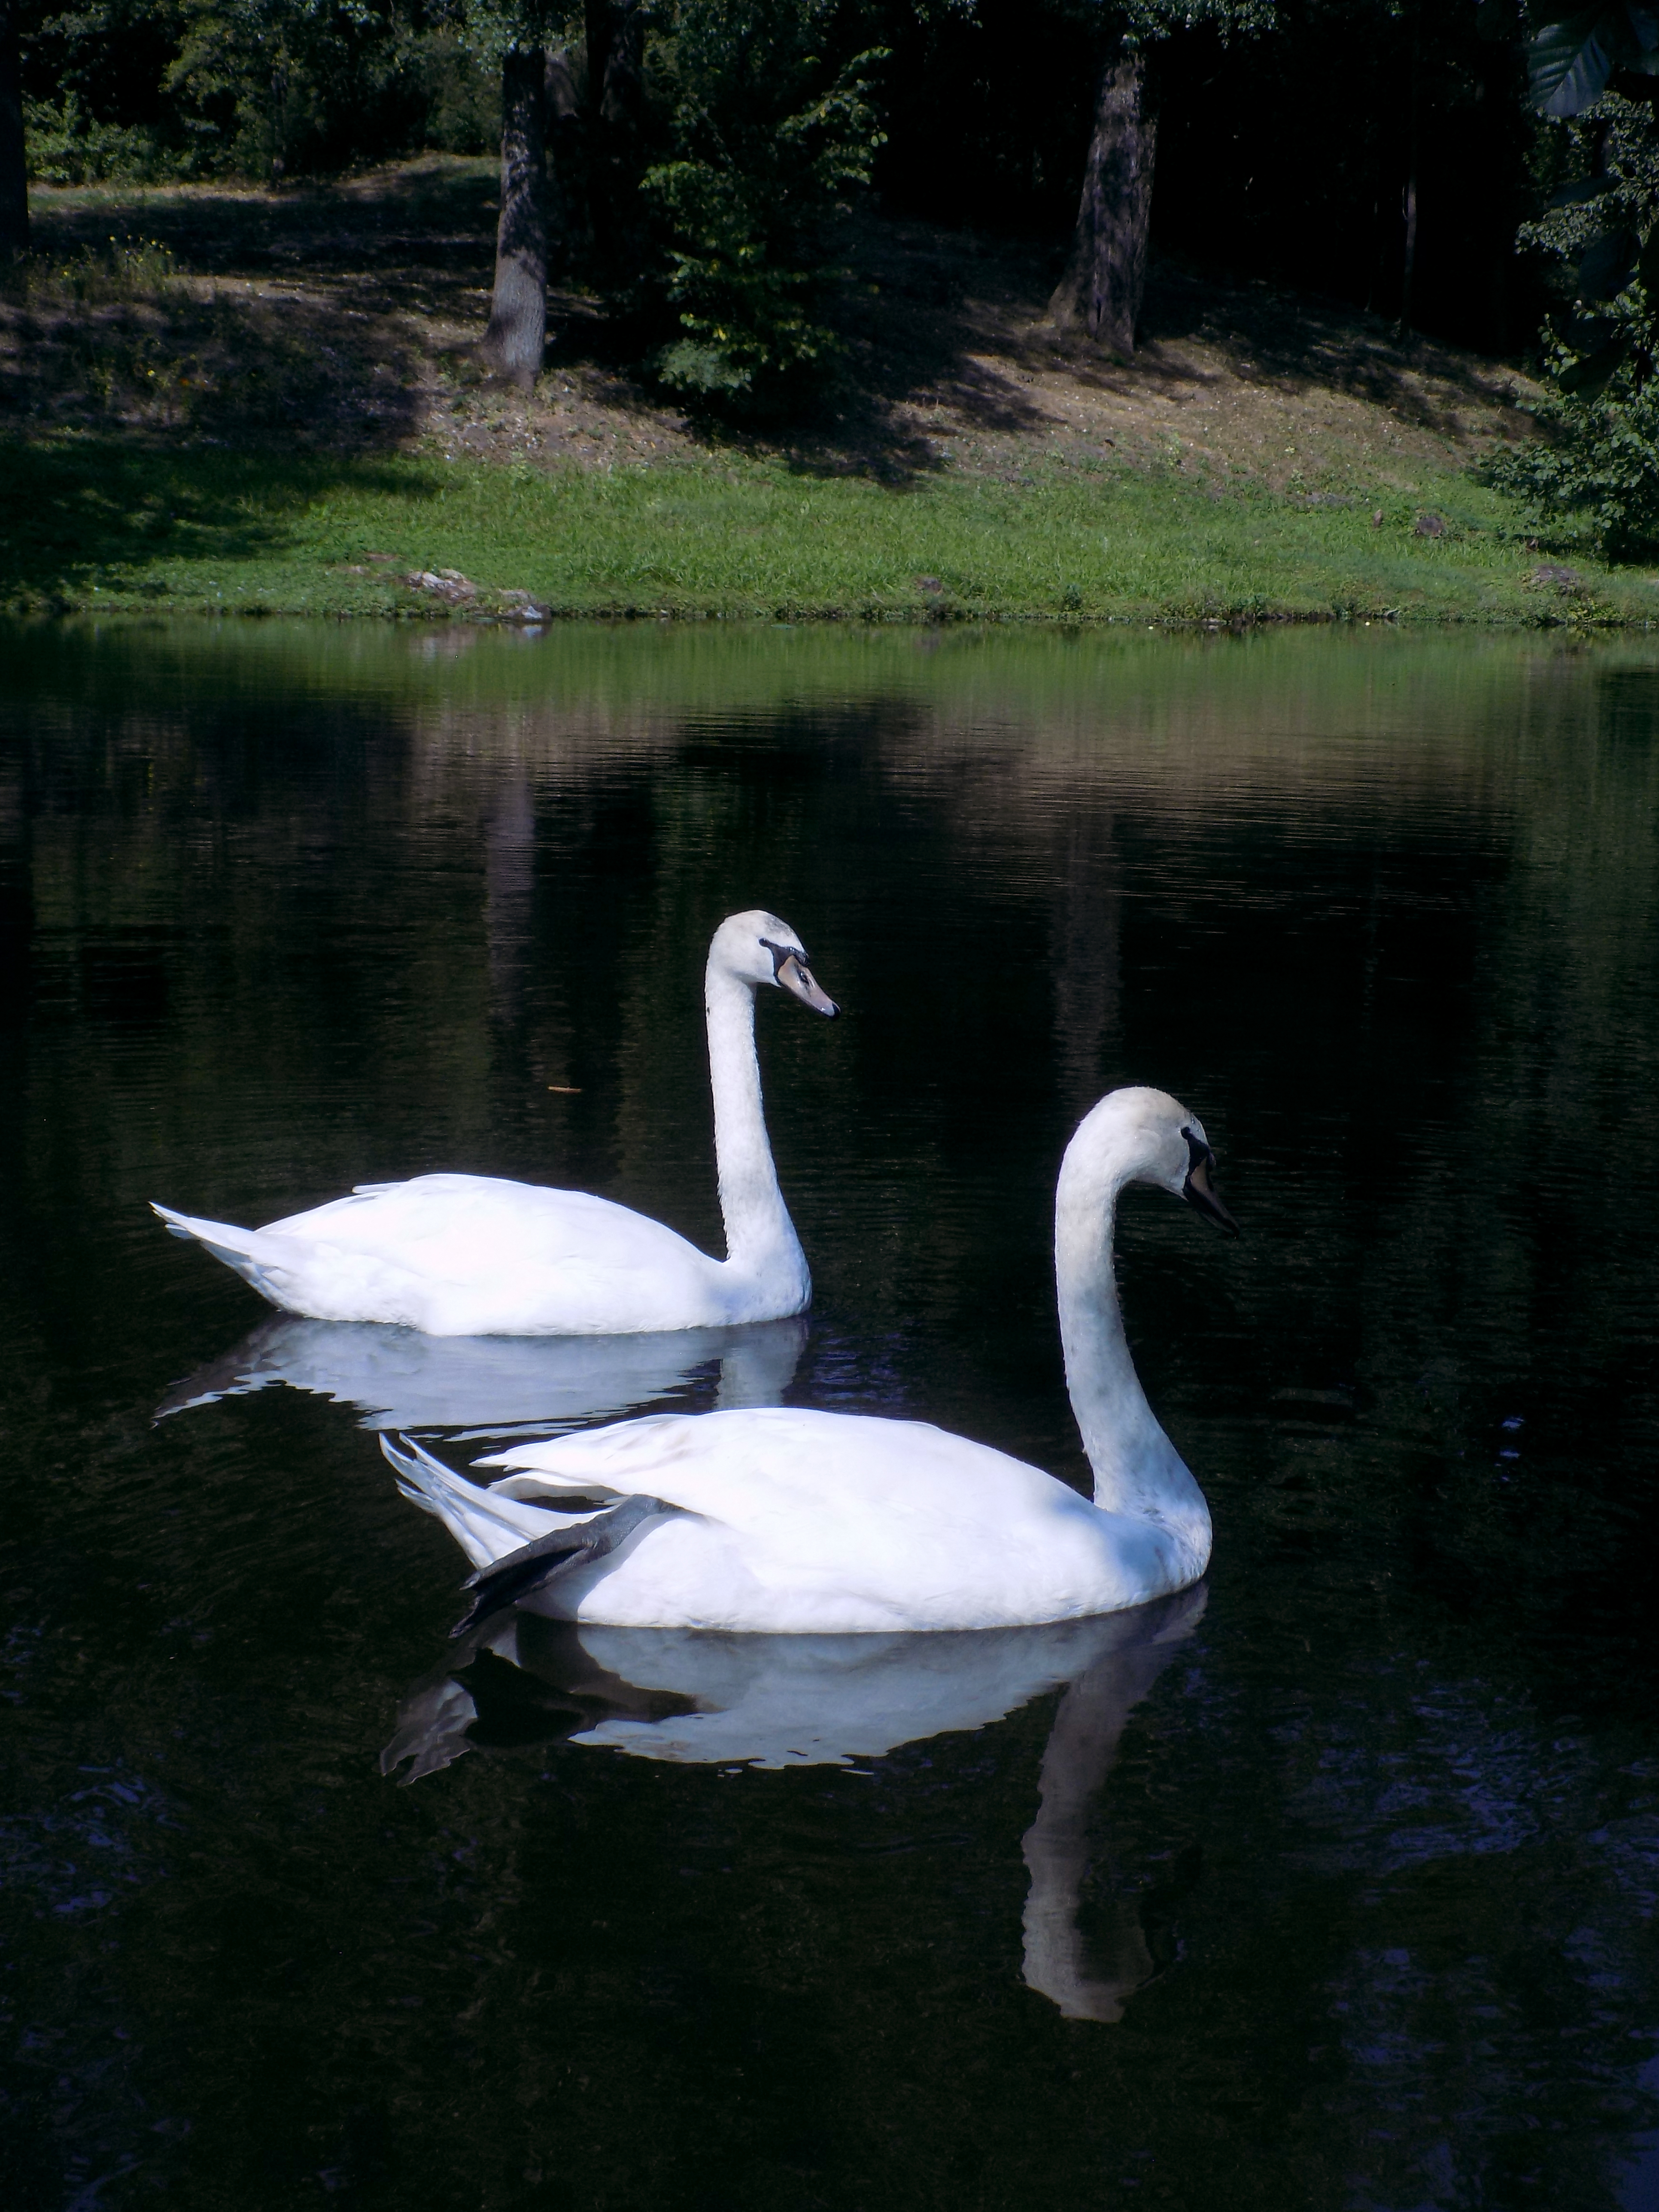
(91, 521)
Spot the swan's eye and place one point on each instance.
(781, 955)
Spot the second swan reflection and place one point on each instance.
(694, 1698)
(493, 1386)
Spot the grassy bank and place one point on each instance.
(232, 401)
(89, 522)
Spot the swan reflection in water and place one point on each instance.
(493, 1386)
(693, 1696)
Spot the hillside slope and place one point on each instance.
(233, 398)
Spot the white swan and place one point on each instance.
(473, 1256)
(787, 1520)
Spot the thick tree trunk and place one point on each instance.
(518, 307)
(14, 188)
(1099, 296)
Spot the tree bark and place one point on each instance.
(518, 307)
(566, 177)
(1100, 295)
(14, 176)
(1408, 203)
(615, 89)
(616, 63)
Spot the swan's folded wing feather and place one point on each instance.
(897, 1512)
(466, 1256)
(458, 1224)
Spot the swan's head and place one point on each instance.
(758, 948)
(1138, 1135)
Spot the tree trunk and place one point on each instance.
(616, 63)
(1100, 294)
(566, 177)
(518, 307)
(1409, 205)
(616, 87)
(14, 186)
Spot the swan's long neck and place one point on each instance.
(1136, 1469)
(760, 1237)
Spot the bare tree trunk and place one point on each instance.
(1101, 292)
(615, 88)
(1408, 205)
(518, 307)
(566, 179)
(14, 184)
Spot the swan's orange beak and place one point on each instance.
(1202, 1194)
(795, 976)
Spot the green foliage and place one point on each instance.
(1569, 63)
(771, 137)
(1146, 21)
(124, 90)
(66, 146)
(1594, 476)
(284, 85)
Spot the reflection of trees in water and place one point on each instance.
(1387, 918)
(1346, 902)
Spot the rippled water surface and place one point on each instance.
(1331, 1884)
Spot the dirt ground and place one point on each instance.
(347, 316)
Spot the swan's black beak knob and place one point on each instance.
(1200, 1193)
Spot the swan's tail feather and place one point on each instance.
(533, 1566)
(487, 1527)
(507, 1540)
(231, 1245)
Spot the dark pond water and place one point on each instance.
(1332, 1885)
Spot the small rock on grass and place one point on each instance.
(448, 585)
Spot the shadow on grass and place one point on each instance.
(343, 318)
(244, 316)
(84, 508)
(416, 232)
(920, 322)
(1302, 344)
(168, 361)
